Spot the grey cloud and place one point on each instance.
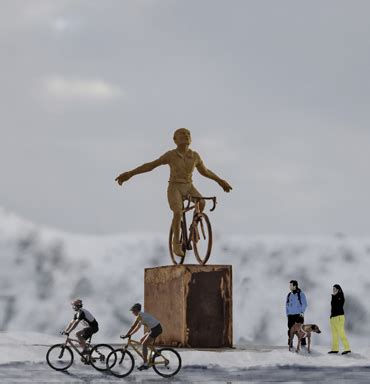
(276, 95)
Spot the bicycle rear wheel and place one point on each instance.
(166, 362)
(120, 362)
(176, 259)
(98, 356)
(202, 238)
(59, 357)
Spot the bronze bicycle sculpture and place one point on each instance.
(166, 362)
(199, 237)
(60, 356)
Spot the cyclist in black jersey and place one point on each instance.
(91, 325)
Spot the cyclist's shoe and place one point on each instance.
(177, 249)
(143, 367)
(85, 360)
(86, 351)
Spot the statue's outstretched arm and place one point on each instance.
(204, 171)
(147, 167)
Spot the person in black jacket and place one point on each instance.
(337, 321)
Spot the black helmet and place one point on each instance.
(76, 304)
(136, 306)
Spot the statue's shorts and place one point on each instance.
(176, 193)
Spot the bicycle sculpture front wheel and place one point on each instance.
(176, 259)
(166, 362)
(59, 357)
(120, 362)
(99, 355)
(201, 237)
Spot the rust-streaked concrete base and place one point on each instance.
(193, 304)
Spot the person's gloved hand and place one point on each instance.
(301, 314)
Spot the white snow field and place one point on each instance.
(22, 360)
(41, 269)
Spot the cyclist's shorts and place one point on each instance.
(156, 331)
(88, 332)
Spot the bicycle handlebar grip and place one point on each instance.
(214, 204)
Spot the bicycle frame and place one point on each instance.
(72, 343)
(135, 344)
(187, 239)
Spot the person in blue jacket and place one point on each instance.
(296, 304)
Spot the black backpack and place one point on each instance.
(299, 296)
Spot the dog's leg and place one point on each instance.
(309, 342)
(299, 343)
(291, 336)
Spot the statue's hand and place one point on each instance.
(123, 177)
(225, 185)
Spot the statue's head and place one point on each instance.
(182, 136)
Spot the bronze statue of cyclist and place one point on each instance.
(182, 162)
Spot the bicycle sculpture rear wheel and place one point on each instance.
(176, 259)
(201, 237)
(59, 357)
(120, 362)
(98, 356)
(166, 362)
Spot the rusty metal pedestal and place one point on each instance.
(193, 304)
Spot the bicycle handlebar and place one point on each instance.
(194, 198)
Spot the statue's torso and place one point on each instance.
(182, 166)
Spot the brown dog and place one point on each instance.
(301, 331)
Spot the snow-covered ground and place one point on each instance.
(42, 269)
(22, 360)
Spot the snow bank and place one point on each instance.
(31, 348)
(42, 269)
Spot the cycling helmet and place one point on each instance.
(136, 306)
(76, 304)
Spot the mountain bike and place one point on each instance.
(166, 362)
(60, 356)
(199, 236)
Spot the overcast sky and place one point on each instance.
(275, 93)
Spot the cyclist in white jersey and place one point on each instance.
(87, 319)
(150, 322)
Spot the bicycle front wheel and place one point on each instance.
(202, 238)
(166, 362)
(176, 259)
(59, 357)
(98, 356)
(120, 362)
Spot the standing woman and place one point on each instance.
(337, 321)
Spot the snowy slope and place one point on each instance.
(32, 347)
(42, 269)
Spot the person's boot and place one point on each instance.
(333, 352)
(177, 249)
(345, 352)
